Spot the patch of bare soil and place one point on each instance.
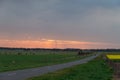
(116, 77)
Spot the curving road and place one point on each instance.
(27, 73)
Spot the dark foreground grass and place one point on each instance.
(9, 62)
(94, 70)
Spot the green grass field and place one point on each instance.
(93, 70)
(10, 60)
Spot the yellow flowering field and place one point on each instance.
(113, 56)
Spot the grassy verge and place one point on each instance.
(93, 70)
(11, 62)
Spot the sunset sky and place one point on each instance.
(60, 23)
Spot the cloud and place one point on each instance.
(79, 20)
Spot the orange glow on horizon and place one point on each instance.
(48, 43)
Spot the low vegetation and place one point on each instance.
(22, 59)
(93, 70)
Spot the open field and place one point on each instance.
(114, 62)
(93, 70)
(19, 59)
(113, 57)
(27, 73)
(110, 56)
